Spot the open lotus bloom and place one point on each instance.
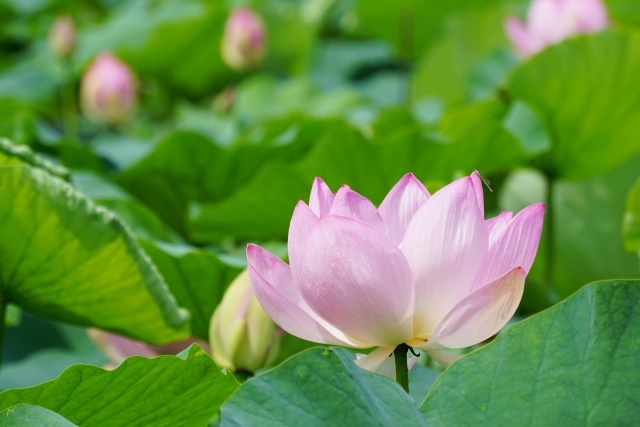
(424, 270)
(551, 21)
(108, 90)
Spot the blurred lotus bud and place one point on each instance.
(244, 42)
(552, 21)
(108, 91)
(62, 36)
(241, 335)
(118, 348)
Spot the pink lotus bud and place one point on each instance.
(244, 42)
(62, 36)
(551, 21)
(241, 335)
(423, 270)
(108, 91)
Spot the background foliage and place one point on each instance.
(139, 228)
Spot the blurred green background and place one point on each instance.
(358, 92)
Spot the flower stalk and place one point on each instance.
(402, 370)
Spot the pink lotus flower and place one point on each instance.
(551, 21)
(108, 91)
(244, 42)
(424, 270)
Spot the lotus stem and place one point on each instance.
(402, 370)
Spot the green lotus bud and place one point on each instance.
(241, 334)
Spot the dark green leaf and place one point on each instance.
(571, 365)
(320, 387)
(588, 239)
(187, 167)
(183, 167)
(185, 390)
(262, 208)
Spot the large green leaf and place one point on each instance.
(320, 387)
(571, 365)
(187, 167)
(185, 390)
(183, 167)
(64, 258)
(588, 241)
(32, 416)
(631, 223)
(587, 91)
(197, 278)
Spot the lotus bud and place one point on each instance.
(245, 39)
(62, 36)
(552, 21)
(241, 335)
(108, 91)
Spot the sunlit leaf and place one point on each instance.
(185, 390)
(64, 258)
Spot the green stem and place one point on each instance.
(402, 370)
